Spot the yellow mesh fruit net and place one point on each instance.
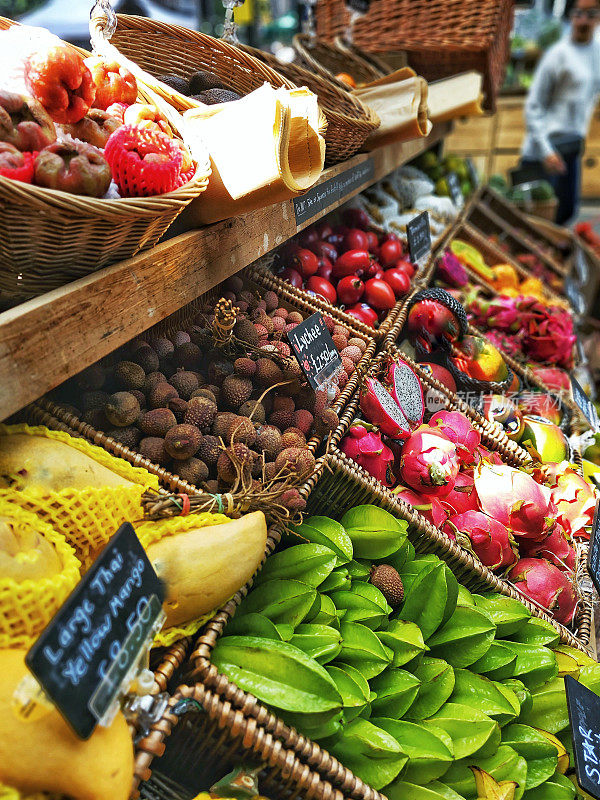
(86, 517)
(151, 532)
(8, 793)
(27, 606)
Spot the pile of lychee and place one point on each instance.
(183, 404)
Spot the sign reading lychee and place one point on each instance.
(315, 351)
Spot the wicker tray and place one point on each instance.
(440, 38)
(49, 237)
(328, 60)
(349, 122)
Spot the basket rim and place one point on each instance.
(302, 42)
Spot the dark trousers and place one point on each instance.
(566, 186)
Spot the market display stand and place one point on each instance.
(85, 320)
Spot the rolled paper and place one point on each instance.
(264, 148)
(459, 96)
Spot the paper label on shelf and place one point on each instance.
(315, 351)
(418, 233)
(333, 191)
(584, 716)
(99, 633)
(593, 562)
(456, 194)
(574, 296)
(583, 402)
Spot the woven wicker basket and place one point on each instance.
(337, 485)
(48, 237)
(440, 38)
(384, 66)
(163, 49)
(349, 122)
(329, 60)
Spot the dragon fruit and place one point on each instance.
(405, 388)
(363, 444)
(555, 379)
(462, 497)
(451, 271)
(548, 335)
(429, 507)
(490, 456)
(491, 541)
(380, 408)
(457, 427)
(429, 462)
(575, 500)
(545, 584)
(555, 548)
(513, 498)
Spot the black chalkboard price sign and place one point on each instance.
(85, 652)
(574, 295)
(456, 194)
(584, 716)
(313, 346)
(418, 233)
(360, 6)
(593, 562)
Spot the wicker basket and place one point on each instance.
(163, 49)
(49, 237)
(337, 485)
(328, 60)
(384, 66)
(349, 122)
(440, 38)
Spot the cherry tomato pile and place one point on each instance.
(349, 265)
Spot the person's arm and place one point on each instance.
(536, 108)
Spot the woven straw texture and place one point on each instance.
(27, 606)
(48, 237)
(349, 122)
(441, 38)
(330, 60)
(202, 737)
(89, 517)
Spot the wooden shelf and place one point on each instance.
(53, 337)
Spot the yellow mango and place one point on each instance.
(24, 552)
(505, 277)
(44, 755)
(203, 568)
(40, 464)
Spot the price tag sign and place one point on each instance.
(583, 402)
(473, 174)
(334, 191)
(581, 266)
(454, 188)
(584, 716)
(593, 562)
(313, 346)
(360, 6)
(419, 237)
(84, 654)
(574, 296)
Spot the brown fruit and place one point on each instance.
(178, 406)
(225, 467)
(244, 329)
(92, 378)
(293, 437)
(254, 410)
(185, 382)
(235, 391)
(282, 419)
(128, 437)
(303, 420)
(296, 459)
(147, 358)
(122, 409)
(182, 441)
(271, 300)
(192, 470)
(389, 583)
(326, 422)
(188, 355)
(160, 394)
(163, 347)
(152, 379)
(268, 440)
(244, 367)
(129, 375)
(93, 400)
(219, 370)
(153, 448)
(209, 450)
(157, 422)
(201, 411)
(222, 422)
(242, 430)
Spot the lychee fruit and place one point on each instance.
(157, 422)
(182, 441)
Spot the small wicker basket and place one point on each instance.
(328, 60)
(49, 238)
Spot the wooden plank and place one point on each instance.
(53, 337)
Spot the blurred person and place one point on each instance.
(560, 104)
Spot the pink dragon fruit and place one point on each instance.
(555, 548)
(503, 341)
(491, 541)
(457, 427)
(546, 585)
(575, 501)
(406, 389)
(513, 498)
(429, 507)
(363, 444)
(501, 313)
(451, 271)
(462, 497)
(547, 331)
(380, 408)
(429, 463)
(555, 379)
(483, 454)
